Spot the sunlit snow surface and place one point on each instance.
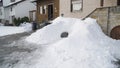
(85, 47)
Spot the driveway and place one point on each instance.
(6, 50)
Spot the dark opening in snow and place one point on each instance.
(64, 35)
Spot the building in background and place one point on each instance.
(50, 9)
(107, 12)
(17, 8)
(82, 8)
(1, 11)
(47, 9)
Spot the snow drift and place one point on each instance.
(51, 33)
(9, 30)
(27, 26)
(85, 47)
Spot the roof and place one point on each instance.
(14, 3)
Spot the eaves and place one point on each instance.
(14, 3)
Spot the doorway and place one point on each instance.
(118, 2)
(32, 15)
(50, 12)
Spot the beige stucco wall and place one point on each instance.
(110, 3)
(88, 7)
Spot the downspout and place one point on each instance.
(108, 22)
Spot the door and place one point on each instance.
(118, 2)
(32, 15)
(50, 12)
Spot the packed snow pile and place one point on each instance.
(9, 30)
(27, 26)
(1, 24)
(85, 47)
(51, 33)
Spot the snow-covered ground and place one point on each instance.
(85, 47)
(8, 30)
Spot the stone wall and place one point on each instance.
(107, 17)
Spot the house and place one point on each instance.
(50, 9)
(107, 12)
(1, 12)
(47, 9)
(18, 8)
(82, 8)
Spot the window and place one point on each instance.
(102, 3)
(118, 2)
(11, 9)
(76, 5)
(43, 9)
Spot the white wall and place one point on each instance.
(22, 9)
(6, 2)
(13, 10)
(7, 13)
(2, 10)
(19, 10)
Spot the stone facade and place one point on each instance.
(107, 18)
(108, 3)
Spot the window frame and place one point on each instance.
(71, 7)
(42, 9)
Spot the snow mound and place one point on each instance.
(85, 47)
(9, 30)
(27, 26)
(1, 24)
(52, 33)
